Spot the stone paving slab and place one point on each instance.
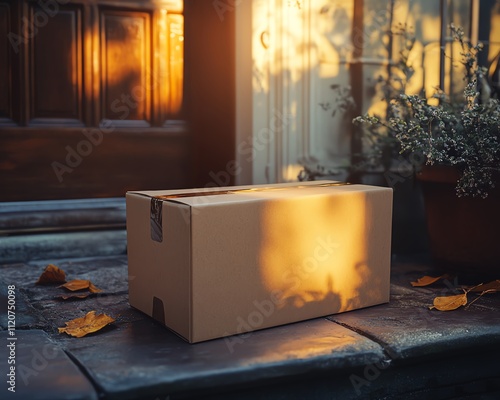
(43, 371)
(443, 379)
(56, 245)
(396, 350)
(25, 316)
(408, 329)
(108, 274)
(144, 359)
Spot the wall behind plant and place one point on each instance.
(315, 64)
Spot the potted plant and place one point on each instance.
(458, 140)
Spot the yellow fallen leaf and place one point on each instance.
(93, 289)
(428, 280)
(51, 274)
(81, 284)
(448, 303)
(90, 323)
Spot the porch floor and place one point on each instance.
(400, 349)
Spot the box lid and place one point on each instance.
(232, 194)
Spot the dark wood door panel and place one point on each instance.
(5, 64)
(143, 43)
(56, 68)
(57, 164)
(84, 70)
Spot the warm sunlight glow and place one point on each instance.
(291, 171)
(321, 256)
(310, 343)
(140, 73)
(126, 49)
(495, 33)
(324, 61)
(316, 30)
(176, 61)
(431, 26)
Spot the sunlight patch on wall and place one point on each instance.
(494, 35)
(291, 171)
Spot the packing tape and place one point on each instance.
(258, 189)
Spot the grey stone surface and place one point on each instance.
(44, 246)
(408, 329)
(396, 350)
(144, 359)
(107, 273)
(61, 215)
(42, 371)
(25, 316)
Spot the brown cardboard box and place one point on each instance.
(212, 263)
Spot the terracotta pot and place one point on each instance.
(463, 231)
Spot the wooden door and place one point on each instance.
(91, 98)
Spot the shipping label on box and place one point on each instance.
(213, 263)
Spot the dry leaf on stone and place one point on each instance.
(93, 289)
(448, 303)
(490, 287)
(80, 327)
(81, 284)
(51, 274)
(428, 280)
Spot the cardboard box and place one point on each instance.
(210, 263)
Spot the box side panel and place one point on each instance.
(138, 229)
(262, 264)
(225, 267)
(159, 270)
(175, 278)
(375, 285)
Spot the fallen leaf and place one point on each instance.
(93, 289)
(428, 280)
(81, 284)
(51, 274)
(448, 303)
(80, 327)
(480, 295)
(490, 287)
